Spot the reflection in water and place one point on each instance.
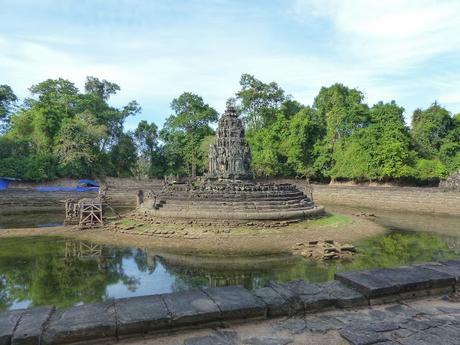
(41, 271)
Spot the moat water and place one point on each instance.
(42, 270)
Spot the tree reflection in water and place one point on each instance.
(42, 270)
(55, 271)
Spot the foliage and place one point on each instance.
(184, 131)
(259, 101)
(62, 132)
(7, 100)
(76, 132)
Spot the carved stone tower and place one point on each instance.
(229, 156)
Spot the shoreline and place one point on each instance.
(217, 239)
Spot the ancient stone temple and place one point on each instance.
(229, 156)
(227, 191)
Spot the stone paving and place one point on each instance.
(116, 319)
(433, 321)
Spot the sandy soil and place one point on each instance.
(217, 239)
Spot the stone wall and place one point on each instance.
(411, 199)
(421, 200)
(123, 194)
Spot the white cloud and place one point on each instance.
(380, 47)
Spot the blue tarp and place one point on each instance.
(88, 183)
(66, 189)
(82, 186)
(4, 183)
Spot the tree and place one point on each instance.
(184, 131)
(76, 147)
(429, 129)
(390, 143)
(304, 132)
(259, 101)
(7, 100)
(146, 136)
(123, 156)
(100, 88)
(342, 112)
(76, 130)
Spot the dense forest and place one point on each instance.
(60, 131)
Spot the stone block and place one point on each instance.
(451, 267)
(137, 315)
(306, 297)
(236, 302)
(411, 278)
(362, 336)
(276, 305)
(8, 322)
(191, 307)
(81, 324)
(367, 283)
(343, 296)
(218, 338)
(30, 327)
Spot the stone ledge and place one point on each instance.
(126, 317)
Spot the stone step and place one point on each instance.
(126, 317)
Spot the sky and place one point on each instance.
(407, 51)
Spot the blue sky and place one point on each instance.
(407, 51)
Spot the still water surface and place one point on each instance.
(42, 270)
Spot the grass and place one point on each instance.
(330, 220)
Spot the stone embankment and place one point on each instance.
(122, 193)
(127, 317)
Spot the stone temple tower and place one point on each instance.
(229, 156)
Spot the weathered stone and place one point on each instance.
(449, 267)
(276, 305)
(380, 283)
(218, 338)
(366, 283)
(80, 324)
(359, 336)
(343, 296)
(293, 325)
(141, 314)
(412, 278)
(8, 322)
(236, 302)
(452, 182)
(267, 341)
(30, 327)
(321, 324)
(191, 307)
(230, 156)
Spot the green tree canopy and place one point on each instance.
(7, 100)
(184, 131)
(259, 101)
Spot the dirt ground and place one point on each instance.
(221, 239)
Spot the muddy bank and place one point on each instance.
(219, 239)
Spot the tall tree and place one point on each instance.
(259, 101)
(7, 100)
(184, 131)
(146, 136)
(429, 129)
(343, 112)
(390, 146)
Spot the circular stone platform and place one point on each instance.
(231, 201)
(227, 192)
